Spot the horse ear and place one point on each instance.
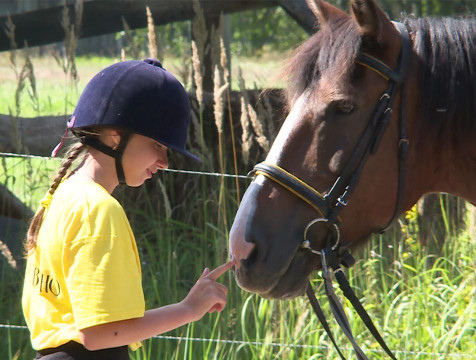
(324, 12)
(372, 21)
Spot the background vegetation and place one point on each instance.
(422, 298)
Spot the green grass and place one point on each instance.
(424, 304)
(27, 178)
(56, 96)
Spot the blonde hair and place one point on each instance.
(72, 154)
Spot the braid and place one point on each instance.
(35, 224)
(72, 154)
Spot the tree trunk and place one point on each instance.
(43, 26)
(301, 13)
(11, 206)
(38, 136)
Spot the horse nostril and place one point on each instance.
(241, 252)
(252, 256)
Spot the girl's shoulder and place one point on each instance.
(90, 193)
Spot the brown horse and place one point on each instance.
(331, 96)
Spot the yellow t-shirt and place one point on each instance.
(85, 269)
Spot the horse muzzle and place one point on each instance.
(269, 254)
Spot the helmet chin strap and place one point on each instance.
(115, 153)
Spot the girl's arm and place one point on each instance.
(205, 296)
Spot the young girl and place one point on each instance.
(82, 295)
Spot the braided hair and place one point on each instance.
(32, 234)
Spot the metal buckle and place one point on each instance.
(341, 201)
(306, 244)
(403, 141)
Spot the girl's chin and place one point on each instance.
(136, 182)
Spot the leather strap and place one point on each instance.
(293, 184)
(331, 259)
(322, 317)
(115, 153)
(350, 295)
(403, 142)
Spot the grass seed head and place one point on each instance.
(153, 52)
(7, 254)
(197, 74)
(246, 140)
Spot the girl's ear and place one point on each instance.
(116, 137)
(111, 137)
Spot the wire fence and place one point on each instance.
(240, 342)
(203, 173)
(281, 345)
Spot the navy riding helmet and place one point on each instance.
(139, 97)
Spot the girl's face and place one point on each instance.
(142, 158)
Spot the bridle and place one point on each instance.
(329, 205)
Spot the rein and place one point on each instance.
(329, 205)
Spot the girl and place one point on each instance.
(82, 295)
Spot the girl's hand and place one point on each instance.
(207, 295)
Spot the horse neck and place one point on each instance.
(442, 113)
(442, 163)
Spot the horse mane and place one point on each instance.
(446, 49)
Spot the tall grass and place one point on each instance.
(424, 303)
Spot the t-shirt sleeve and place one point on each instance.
(102, 267)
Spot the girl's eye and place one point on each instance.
(160, 147)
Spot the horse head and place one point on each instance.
(333, 92)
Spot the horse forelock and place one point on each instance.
(446, 49)
(332, 49)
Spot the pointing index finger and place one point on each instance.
(219, 271)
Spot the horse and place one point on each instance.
(423, 142)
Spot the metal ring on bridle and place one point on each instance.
(306, 244)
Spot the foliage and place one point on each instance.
(254, 32)
(424, 302)
(400, 283)
(267, 29)
(251, 33)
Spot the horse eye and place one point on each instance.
(344, 106)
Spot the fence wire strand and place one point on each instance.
(237, 342)
(215, 174)
(282, 345)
